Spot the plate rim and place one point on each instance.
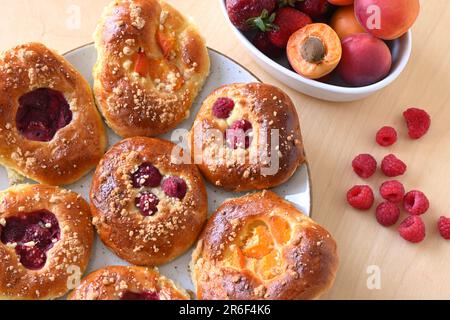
(306, 163)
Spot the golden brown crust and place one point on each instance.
(77, 147)
(69, 256)
(136, 105)
(111, 283)
(232, 261)
(267, 108)
(141, 240)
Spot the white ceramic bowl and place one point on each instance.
(401, 52)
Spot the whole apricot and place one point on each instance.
(341, 2)
(314, 51)
(387, 19)
(365, 60)
(345, 23)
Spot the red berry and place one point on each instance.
(288, 21)
(316, 9)
(262, 42)
(360, 197)
(364, 165)
(412, 229)
(416, 203)
(387, 214)
(418, 122)
(222, 108)
(174, 187)
(392, 191)
(146, 176)
(444, 227)
(147, 203)
(392, 166)
(238, 135)
(386, 136)
(241, 11)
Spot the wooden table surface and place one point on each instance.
(333, 132)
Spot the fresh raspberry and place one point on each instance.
(412, 229)
(146, 176)
(238, 135)
(392, 191)
(392, 166)
(386, 136)
(360, 197)
(147, 203)
(444, 227)
(387, 214)
(416, 203)
(222, 108)
(418, 122)
(174, 187)
(364, 165)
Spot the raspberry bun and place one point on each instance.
(50, 129)
(261, 247)
(46, 238)
(247, 137)
(128, 283)
(147, 209)
(152, 63)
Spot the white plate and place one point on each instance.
(223, 71)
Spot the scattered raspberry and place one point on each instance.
(392, 191)
(222, 108)
(146, 176)
(174, 187)
(387, 214)
(364, 165)
(386, 136)
(392, 166)
(418, 122)
(416, 203)
(147, 203)
(444, 227)
(412, 229)
(360, 197)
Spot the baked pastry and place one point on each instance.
(247, 137)
(261, 247)
(127, 283)
(152, 63)
(146, 208)
(46, 238)
(50, 129)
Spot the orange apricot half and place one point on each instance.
(314, 51)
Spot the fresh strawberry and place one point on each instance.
(242, 11)
(287, 21)
(316, 9)
(262, 42)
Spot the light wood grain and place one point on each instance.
(334, 133)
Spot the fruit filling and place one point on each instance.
(257, 249)
(32, 235)
(175, 187)
(146, 176)
(222, 108)
(146, 295)
(239, 134)
(42, 113)
(147, 203)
